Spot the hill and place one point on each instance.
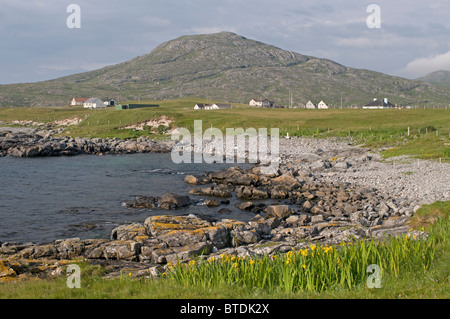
(227, 67)
(441, 78)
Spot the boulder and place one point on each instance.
(281, 211)
(287, 181)
(134, 231)
(249, 192)
(177, 231)
(121, 250)
(214, 190)
(94, 249)
(187, 252)
(143, 202)
(172, 201)
(70, 248)
(245, 206)
(243, 237)
(159, 225)
(212, 202)
(279, 192)
(190, 179)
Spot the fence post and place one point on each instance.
(408, 130)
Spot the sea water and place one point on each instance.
(50, 198)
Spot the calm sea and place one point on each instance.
(44, 199)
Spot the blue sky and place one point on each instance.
(36, 44)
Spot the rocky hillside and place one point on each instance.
(441, 77)
(227, 67)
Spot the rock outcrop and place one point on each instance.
(40, 143)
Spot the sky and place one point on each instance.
(42, 40)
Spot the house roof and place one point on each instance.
(80, 99)
(92, 100)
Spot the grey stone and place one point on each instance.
(281, 211)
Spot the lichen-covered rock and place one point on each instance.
(159, 225)
(162, 253)
(121, 250)
(177, 231)
(243, 237)
(134, 231)
(94, 249)
(6, 273)
(70, 248)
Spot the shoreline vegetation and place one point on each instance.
(321, 248)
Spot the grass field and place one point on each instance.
(429, 130)
(409, 269)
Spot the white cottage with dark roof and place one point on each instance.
(93, 103)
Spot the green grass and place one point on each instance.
(429, 136)
(411, 268)
(312, 269)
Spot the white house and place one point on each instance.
(200, 106)
(311, 105)
(379, 104)
(261, 103)
(93, 103)
(78, 101)
(322, 105)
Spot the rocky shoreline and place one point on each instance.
(23, 142)
(324, 192)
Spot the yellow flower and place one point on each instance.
(235, 265)
(422, 229)
(304, 266)
(129, 274)
(288, 261)
(211, 259)
(192, 263)
(312, 247)
(289, 254)
(252, 262)
(233, 258)
(304, 252)
(328, 249)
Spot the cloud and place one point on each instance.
(423, 66)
